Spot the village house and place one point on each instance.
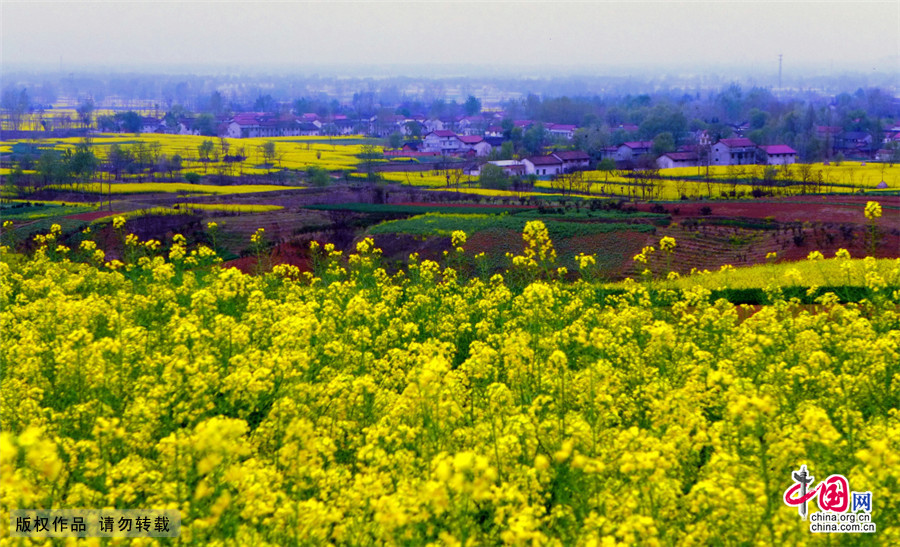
(629, 151)
(677, 159)
(475, 144)
(343, 125)
(308, 129)
(779, 154)
(543, 165)
(432, 125)
(609, 153)
(885, 155)
(855, 144)
(470, 125)
(256, 124)
(448, 143)
(562, 130)
(152, 125)
(444, 141)
(738, 151)
(572, 160)
(511, 168)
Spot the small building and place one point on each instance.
(433, 125)
(308, 129)
(779, 154)
(573, 160)
(543, 165)
(443, 141)
(738, 151)
(562, 130)
(677, 159)
(510, 167)
(631, 150)
(885, 154)
(474, 143)
(609, 153)
(152, 125)
(493, 131)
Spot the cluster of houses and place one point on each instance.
(476, 136)
(486, 126)
(550, 165)
(258, 124)
(733, 151)
(736, 151)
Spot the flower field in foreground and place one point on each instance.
(359, 407)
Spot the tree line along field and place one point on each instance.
(289, 152)
(435, 405)
(211, 157)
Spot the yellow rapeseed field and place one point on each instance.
(170, 187)
(357, 407)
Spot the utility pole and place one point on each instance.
(779, 72)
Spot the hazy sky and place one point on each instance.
(857, 35)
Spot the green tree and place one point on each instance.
(107, 124)
(534, 139)
(118, 158)
(85, 110)
(51, 168)
(83, 163)
(217, 103)
(206, 125)
(395, 140)
(663, 143)
(369, 154)
(176, 162)
(205, 149)
(472, 106)
(493, 177)
(414, 130)
(131, 121)
(268, 151)
(317, 176)
(15, 102)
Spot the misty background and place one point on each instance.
(534, 39)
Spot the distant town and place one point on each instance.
(529, 135)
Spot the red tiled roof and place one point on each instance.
(562, 127)
(470, 139)
(737, 143)
(778, 149)
(544, 160)
(682, 156)
(443, 133)
(572, 155)
(639, 144)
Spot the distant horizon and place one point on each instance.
(453, 70)
(427, 38)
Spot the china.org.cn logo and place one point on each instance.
(841, 510)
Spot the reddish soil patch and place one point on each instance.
(287, 253)
(91, 216)
(465, 205)
(836, 209)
